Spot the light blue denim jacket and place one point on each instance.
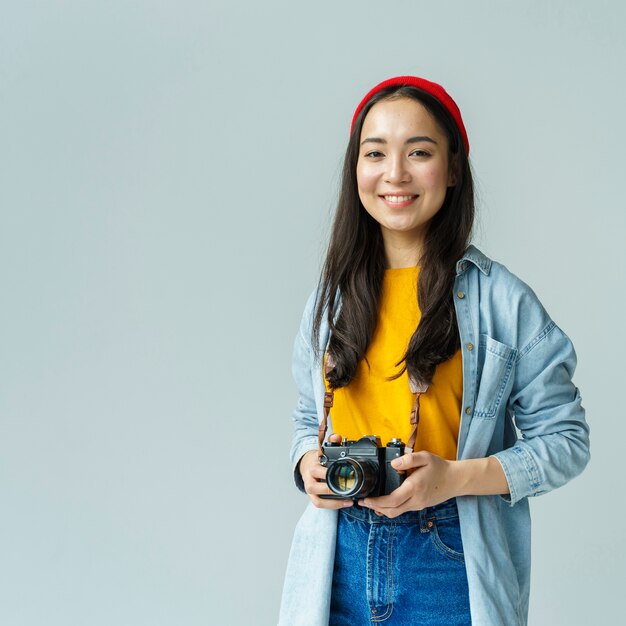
(517, 371)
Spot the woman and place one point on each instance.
(415, 334)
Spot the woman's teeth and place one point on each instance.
(398, 198)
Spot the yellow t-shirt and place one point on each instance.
(373, 405)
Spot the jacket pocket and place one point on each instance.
(496, 362)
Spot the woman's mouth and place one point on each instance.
(399, 201)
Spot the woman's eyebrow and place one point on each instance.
(416, 139)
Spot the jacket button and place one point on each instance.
(468, 409)
(461, 295)
(470, 346)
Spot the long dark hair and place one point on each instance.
(352, 275)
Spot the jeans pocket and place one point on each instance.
(446, 537)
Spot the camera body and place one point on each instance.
(358, 469)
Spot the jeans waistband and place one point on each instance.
(444, 510)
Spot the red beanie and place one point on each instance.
(433, 89)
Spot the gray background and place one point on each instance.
(167, 176)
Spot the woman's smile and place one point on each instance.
(399, 201)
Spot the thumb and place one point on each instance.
(335, 438)
(411, 459)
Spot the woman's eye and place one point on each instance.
(420, 153)
(374, 153)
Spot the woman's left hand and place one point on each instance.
(430, 480)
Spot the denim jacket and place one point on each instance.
(517, 374)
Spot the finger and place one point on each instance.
(395, 499)
(395, 511)
(335, 438)
(318, 472)
(318, 488)
(410, 460)
(324, 503)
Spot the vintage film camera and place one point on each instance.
(358, 469)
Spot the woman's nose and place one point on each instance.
(397, 171)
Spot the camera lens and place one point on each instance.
(345, 478)
(350, 478)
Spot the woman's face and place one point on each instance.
(402, 170)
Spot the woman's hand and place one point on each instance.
(431, 479)
(314, 478)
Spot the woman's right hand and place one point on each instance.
(314, 478)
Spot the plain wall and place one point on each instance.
(168, 172)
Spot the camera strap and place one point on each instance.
(329, 364)
(417, 389)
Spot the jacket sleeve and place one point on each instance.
(305, 414)
(554, 446)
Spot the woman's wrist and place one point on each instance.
(479, 477)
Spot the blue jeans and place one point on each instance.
(407, 570)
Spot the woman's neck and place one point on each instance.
(401, 249)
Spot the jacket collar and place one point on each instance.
(475, 256)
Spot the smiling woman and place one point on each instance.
(428, 357)
(402, 174)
